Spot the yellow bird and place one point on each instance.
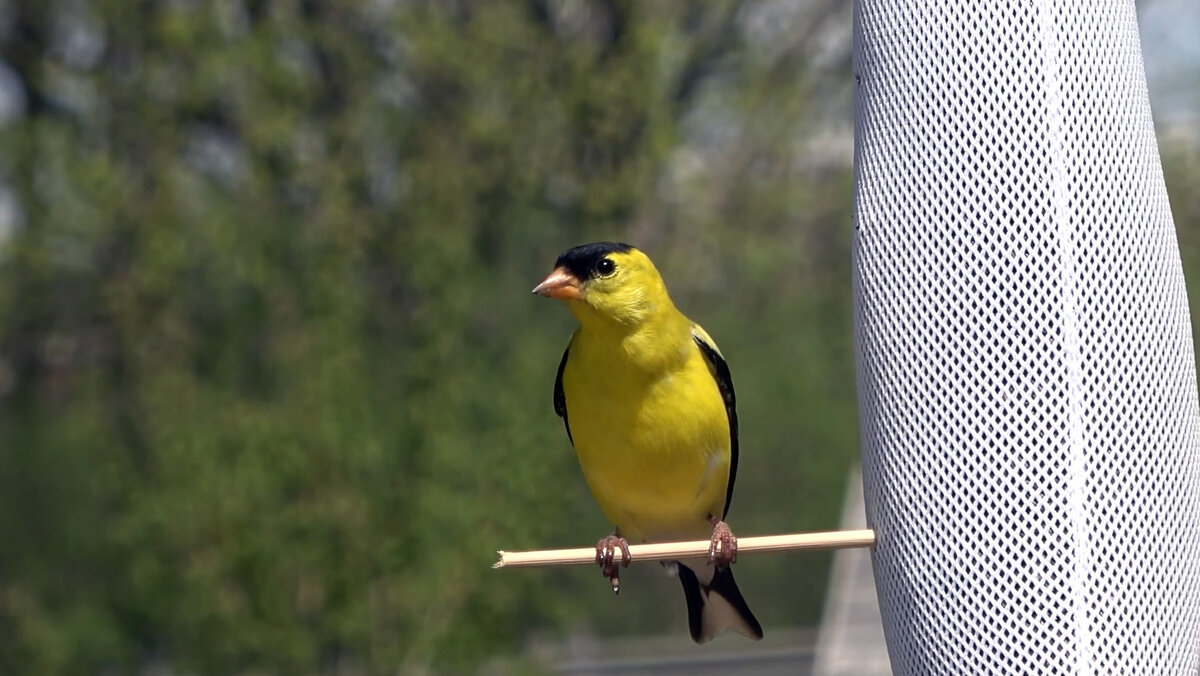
(648, 404)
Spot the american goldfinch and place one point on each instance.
(648, 404)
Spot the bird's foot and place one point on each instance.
(606, 553)
(722, 549)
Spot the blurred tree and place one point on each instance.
(272, 386)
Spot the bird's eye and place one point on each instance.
(605, 267)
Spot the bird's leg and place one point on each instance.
(606, 552)
(722, 549)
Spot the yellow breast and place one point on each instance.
(654, 446)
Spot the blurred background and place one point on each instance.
(272, 386)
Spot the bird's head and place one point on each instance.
(607, 283)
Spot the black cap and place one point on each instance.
(582, 260)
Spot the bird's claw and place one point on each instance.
(606, 553)
(722, 549)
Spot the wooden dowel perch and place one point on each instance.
(666, 551)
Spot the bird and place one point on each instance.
(648, 405)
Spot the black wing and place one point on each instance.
(560, 399)
(720, 371)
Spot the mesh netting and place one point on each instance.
(1031, 438)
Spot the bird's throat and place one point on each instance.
(652, 347)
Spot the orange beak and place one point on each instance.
(560, 284)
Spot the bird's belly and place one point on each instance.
(657, 462)
(674, 505)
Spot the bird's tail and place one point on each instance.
(716, 605)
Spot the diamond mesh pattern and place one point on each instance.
(1031, 435)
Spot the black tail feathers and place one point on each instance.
(716, 606)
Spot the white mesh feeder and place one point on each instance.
(1030, 431)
